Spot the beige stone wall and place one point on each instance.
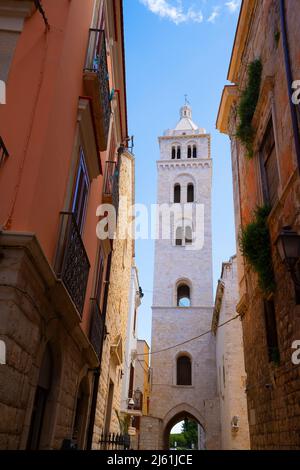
(151, 431)
(230, 363)
(117, 305)
(35, 311)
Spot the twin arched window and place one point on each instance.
(192, 151)
(176, 152)
(190, 193)
(184, 236)
(183, 296)
(184, 370)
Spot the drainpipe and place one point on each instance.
(289, 78)
(97, 373)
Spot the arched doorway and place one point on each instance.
(184, 431)
(81, 413)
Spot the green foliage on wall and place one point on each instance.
(247, 106)
(255, 245)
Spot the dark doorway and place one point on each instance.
(40, 401)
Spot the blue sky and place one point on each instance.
(175, 48)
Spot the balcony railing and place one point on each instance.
(111, 184)
(3, 152)
(97, 328)
(72, 264)
(96, 80)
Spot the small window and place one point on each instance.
(179, 236)
(188, 236)
(194, 151)
(271, 331)
(173, 153)
(190, 193)
(269, 168)
(178, 153)
(177, 193)
(189, 153)
(183, 296)
(184, 371)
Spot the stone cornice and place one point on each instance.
(186, 136)
(241, 36)
(229, 96)
(171, 164)
(182, 309)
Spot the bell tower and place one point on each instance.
(184, 371)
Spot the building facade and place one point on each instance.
(227, 328)
(265, 163)
(143, 373)
(61, 128)
(184, 377)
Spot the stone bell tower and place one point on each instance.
(184, 377)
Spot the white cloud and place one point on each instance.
(177, 14)
(214, 15)
(233, 5)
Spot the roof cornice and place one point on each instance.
(244, 22)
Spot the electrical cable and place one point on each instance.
(189, 340)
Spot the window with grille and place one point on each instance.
(184, 371)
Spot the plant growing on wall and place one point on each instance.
(255, 246)
(124, 423)
(247, 106)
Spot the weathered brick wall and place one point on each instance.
(273, 392)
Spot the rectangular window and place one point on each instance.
(131, 379)
(81, 193)
(269, 168)
(100, 276)
(271, 331)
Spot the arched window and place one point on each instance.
(189, 153)
(178, 153)
(190, 193)
(173, 153)
(183, 296)
(179, 236)
(194, 151)
(177, 193)
(184, 371)
(188, 236)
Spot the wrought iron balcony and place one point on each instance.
(97, 328)
(96, 83)
(72, 264)
(3, 152)
(111, 184)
